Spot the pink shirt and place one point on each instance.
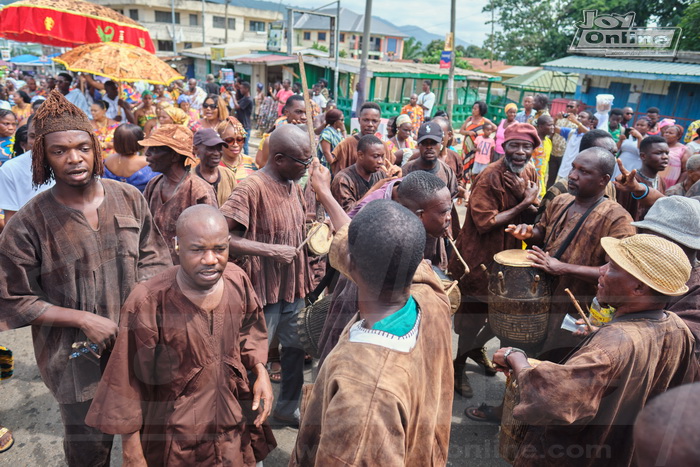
(282, 97)
(500, 137)
(483, 149)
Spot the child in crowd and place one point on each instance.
(484, 148)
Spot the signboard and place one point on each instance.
(449, 42)
(445, 59)
(217, 53)
(5, 54)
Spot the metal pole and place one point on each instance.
(290, 31)
(226, 23)
(337, 53)
(365, 54)
(204, 38)
(172, 5)
(453, 54)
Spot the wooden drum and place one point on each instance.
(519, 298)
(512, 433)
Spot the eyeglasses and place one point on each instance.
(570, 106)
(209, 106)
(235, 140)
(305, 163)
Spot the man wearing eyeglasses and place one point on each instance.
(266, 216)
(627, 117)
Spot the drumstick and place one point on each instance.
(578, 308)
(308, 237)
(454, 284)
(461, 260)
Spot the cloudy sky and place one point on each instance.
(432, 15)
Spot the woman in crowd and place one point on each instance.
(678, 155)
(331, 136)
(146, 110)
(268, 111)
(21, 140)
(22, 108)
(127, 164)
(214, 111)
(233, 133)
(103, 126)
(8, 125)
(167, 115)
(473, 127)
(511, 112)
(629, 145)
(402, 144)
(184, 103)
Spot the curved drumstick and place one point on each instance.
(459, 256)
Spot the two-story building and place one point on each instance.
(200, 23)
(385, 43)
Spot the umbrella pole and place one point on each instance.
(307, 105)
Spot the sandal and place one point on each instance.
(308, 359)
(6, 439)
(275, 375)
(489, 414)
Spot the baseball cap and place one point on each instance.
(430, 131)
(208, 137)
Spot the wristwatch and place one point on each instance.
(510, 351)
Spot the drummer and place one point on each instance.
(566, 242)
(266, 218)
(580, 412)
(501, 195)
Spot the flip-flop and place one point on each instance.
(6, 439)
(487, 410)
(275, 375)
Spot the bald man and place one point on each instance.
(187, 339)
(667, 430)
(266, 216)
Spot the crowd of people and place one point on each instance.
(162, 267)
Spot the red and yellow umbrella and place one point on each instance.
(69, 23)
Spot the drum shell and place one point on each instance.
(519, 303)
(512, 432)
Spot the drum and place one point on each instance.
(310, 324)
(320, 239)
(512, 432)
(451, 288)
(519, 298)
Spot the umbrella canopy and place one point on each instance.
(119, 62)
(69, 23)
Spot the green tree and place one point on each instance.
(412, 49)
(690, 23)
(535, 31)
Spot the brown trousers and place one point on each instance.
(83, 445)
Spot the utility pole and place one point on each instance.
(453, 58)
(337, 52)
(172, 12)
(365, 54)
(204, 38)
(226, 23)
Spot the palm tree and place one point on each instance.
(412, 49)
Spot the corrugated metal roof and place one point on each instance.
(546, 81)
(641, 69)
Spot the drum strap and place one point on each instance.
(575, 230)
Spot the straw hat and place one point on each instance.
(676, 218)
(176, 137)
(653, 260)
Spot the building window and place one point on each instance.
(321, 36)
(341, 37)
(188, 45)
(165, 46)
(167, 17)
(220, 22)
(134, 14)
(307, 36)
(257, 26)
(194, 20)
(121, 12)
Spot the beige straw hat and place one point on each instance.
(655, 261)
